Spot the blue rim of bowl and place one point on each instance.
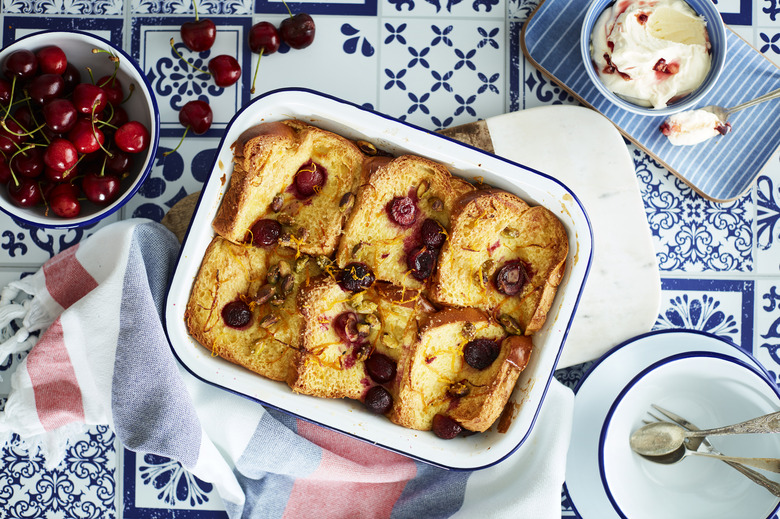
(628, 343)
(716, 33)
(761, 373)
(152, 145)
(381, 115)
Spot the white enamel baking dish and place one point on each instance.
(349, 417)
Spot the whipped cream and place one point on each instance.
(651, 51)
(692, 127)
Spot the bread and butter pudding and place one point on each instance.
(350, 274)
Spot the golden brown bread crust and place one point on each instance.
(435, 375)
(231, 272)
(491, 228)
(424, 339)
(266, 160)
(373, 238)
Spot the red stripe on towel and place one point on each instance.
(353, 479)
(57, 392)
(66, 279)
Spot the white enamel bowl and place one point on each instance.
(710, 390)
(349, 417)
(141, 106)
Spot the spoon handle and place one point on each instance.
(772, 486)
(769, 423)
(770, 464)
(766, 97)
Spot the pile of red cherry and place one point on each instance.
(199, 35)
(63, 140)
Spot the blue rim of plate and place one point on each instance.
(567, 328)
(760, 372)
(153, 144)
(638, 338)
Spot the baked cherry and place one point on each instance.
(51, 60)
(297, 31)
(379, 400)
(355, 277)
(481, 353)
(445, 427)
(309, 179)
(402, 210)
(100, 189)
(132, 137)
(421, 261)
(25, 192)
(21, 64)
(64, 200)
(237, 314)
(60, 155)
(60, 115)
(345, 326)
(266, 232)
(380, 368)
(511, 278)
(433, 234)
(225, 70)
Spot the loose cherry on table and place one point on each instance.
(297, 31)
(195, 115)
(264, 39)
(225, 70)
(198, 35)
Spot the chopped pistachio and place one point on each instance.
(423, 188)
(366, 307)
(469, 331)
(277, 203)
(458, 389)
(510, 324)
(367, 148)
(269, 320)
(437, 204)
(346, 202)
(265, 293)
(510, 232)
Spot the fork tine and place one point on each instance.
(679, 420)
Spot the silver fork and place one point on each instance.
(695, 443)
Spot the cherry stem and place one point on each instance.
(178, 145)
(73, 167)
(187, 62)
(130, 90)
(288, 8)
(195, 7)
(10, 168)
(94, 131)
(257, 67)
(8, 109)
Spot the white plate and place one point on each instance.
(396, 137)
(600, 387)
(709, 389)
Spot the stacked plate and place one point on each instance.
(707, 380)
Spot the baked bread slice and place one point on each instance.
(463, 366)
(504, 257)
(296, 174)
(400, 220)
(243, 306)
(345, 334)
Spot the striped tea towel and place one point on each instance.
(720, 169)
(103, 358)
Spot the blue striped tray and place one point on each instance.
(720, 169)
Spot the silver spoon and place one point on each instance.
(770, 464)
(660, 438)
(724, 113)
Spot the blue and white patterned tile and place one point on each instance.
(58, 7)
(83, 485)
(179, 7)
(767, 325)
(767, 219)
(157, 487)
(422, 60)
(692, 234)
(175, 81)
(444, 8)
(343, 64)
